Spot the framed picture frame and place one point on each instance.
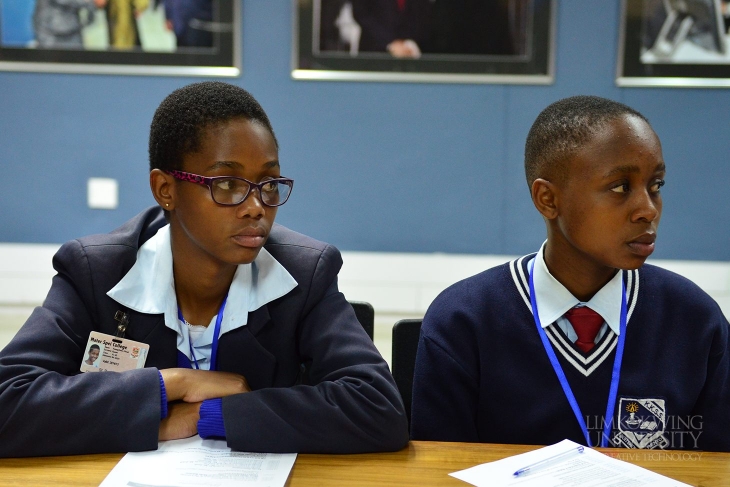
(135, 37)
(508, 41)
(674, 43)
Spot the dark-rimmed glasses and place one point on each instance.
(231, 191)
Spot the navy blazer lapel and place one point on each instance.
(257, 319)
(163, 343)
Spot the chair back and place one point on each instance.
(403, 361)
(365, 315)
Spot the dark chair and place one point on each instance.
(365, 315)
(403, 361)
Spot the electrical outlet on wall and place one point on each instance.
(103, 193)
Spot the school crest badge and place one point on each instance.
(641, 423)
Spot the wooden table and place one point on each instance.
(422, 464)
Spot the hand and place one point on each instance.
(181, 421)
(404, 49)
(192, 385)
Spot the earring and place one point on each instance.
(167, 204)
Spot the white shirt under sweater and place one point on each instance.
(553, 300)
(149, 287)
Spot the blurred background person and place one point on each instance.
(399, 27)
(122, 17)
(58, 23)
(191, 20)
(338, 30)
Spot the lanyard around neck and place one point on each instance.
(216, 333)
(615, 375)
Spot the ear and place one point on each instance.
(163, 189)
(545, 198)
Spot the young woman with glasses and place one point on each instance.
(249, 338)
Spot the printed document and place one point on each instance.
(588, 468)
(199, 462)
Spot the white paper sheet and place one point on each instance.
(205, 463)
(587, 469)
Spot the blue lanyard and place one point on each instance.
(615, 375)
(216, 332)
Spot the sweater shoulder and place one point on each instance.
(474, 299)
(501, 284)
(660, 282)
(678, 300)
(488, 282)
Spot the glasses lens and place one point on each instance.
(275, 193)
(229, 191)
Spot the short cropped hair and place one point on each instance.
(182, 117)
(94, 347)
(563, 128)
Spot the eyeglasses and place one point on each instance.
(230, 191)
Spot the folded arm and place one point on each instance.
(352, 404)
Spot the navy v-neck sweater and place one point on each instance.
(483, 375)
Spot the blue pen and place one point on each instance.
(545, 461)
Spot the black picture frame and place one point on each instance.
(674, 43)
(528, 59)
(223, 58)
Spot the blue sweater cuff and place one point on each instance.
(210, 423)
(163, 397)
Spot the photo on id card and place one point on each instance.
(106, 353)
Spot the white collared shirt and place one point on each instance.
(553, 300)
(149, 287)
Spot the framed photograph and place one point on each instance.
(461, 41)
(674, 43)
(147, 37)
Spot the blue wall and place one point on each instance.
(16, 22)
(378, 166)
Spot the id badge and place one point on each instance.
(109, 353)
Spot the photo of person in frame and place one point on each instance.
(674, 43)
(685, 31)
(121, 36)
(91, 25)
(410, 28)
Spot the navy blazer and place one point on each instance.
(346, 402)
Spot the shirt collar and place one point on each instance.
(554, 299)
(149, 285)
